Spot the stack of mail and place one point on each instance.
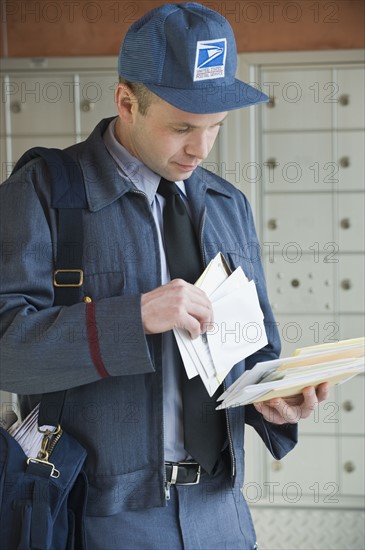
(237, 331)
(334, 363)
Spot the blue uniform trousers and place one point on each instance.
(206, 516)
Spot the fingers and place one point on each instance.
(278, 411)
(191, 310)
(268, 412)
(312, 396)
(323, 391)
(177, 304)
(292, 409)
(310, 401)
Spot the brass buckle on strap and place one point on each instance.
(65, 285)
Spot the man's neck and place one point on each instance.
(122, 136)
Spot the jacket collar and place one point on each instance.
(104, 184)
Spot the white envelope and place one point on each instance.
(238, 329)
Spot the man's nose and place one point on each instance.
(198, 146)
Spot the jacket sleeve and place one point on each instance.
(278, 439)
(46, 348)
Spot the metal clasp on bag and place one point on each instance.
(49, 440)
(54, 472)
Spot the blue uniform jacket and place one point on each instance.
(98, 351)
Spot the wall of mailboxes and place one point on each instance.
(300, 159)
(310, 213)
(313, 227)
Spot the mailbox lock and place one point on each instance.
(348, 406)
(272, 224)
(16, 107)
(276, 466)
(349, 467)
(345, 223)
(345, 162)
(271, 163)
(87, 106)
(344, 100)
(295, 283)
(346, 284)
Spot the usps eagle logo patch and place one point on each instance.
(210, 59)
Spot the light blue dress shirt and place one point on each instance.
(147, 181)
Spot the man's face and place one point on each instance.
(171, 142)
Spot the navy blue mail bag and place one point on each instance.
(42, 504)
(43, 498)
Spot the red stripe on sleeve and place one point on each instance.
(93, 340)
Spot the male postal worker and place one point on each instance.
(148, 488)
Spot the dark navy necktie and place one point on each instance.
(204, 427)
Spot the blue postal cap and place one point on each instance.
(186, 54)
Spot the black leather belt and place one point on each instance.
(182, 473)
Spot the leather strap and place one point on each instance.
(68, 197)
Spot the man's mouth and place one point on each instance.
(187, 167)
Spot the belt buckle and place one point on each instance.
(174, 474)
(198, 473)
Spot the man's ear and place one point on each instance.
(126, 102)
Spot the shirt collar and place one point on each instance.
(138, 173)
(105, 182)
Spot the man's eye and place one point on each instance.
(181, 130)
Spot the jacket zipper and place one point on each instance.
(230, 441)
(165, 483)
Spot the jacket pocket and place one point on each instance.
(104, 285)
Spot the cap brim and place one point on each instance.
(211, 98)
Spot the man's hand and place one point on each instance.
(292, 409)
(177, 304)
